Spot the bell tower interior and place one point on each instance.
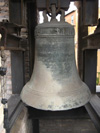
(45, 50)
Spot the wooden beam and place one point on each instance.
(41, 5)
(82, 31)
(90, 12)
(93, 108)
(17, 13)
(17, 68)
(90, 69)
(32, 22)
(93, 41)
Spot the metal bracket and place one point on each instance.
(93, 40)
(11, 39)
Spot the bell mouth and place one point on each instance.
(54, 102)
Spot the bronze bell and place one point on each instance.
(55, 83)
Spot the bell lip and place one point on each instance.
(62, 109)
(38, 104)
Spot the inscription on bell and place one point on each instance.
(55, 31)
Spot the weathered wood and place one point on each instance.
(32, 22)
(78, 114)
(82, 31)
(17, 12)
(12, 102)
(17, 68)
(15, 106)
(41, 5)
(67, 126)
(95, 102)
(93, 41)
(90, 12)
(90, 69)
(93, 109)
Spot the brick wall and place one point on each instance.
(22, 124)
(6, 81)
(4, 11)
(4, 14)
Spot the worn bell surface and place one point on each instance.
(55, 83)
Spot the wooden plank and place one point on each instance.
(15, 114)
(64, 4)
(82, 31)
(93, 108)
(15, 11)
(15, 106)
(95, 102)
(90, 12)
(67, 126)
(93, 41)
(90, 69)
(12, 103)
(17, 68)
(32, 22)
